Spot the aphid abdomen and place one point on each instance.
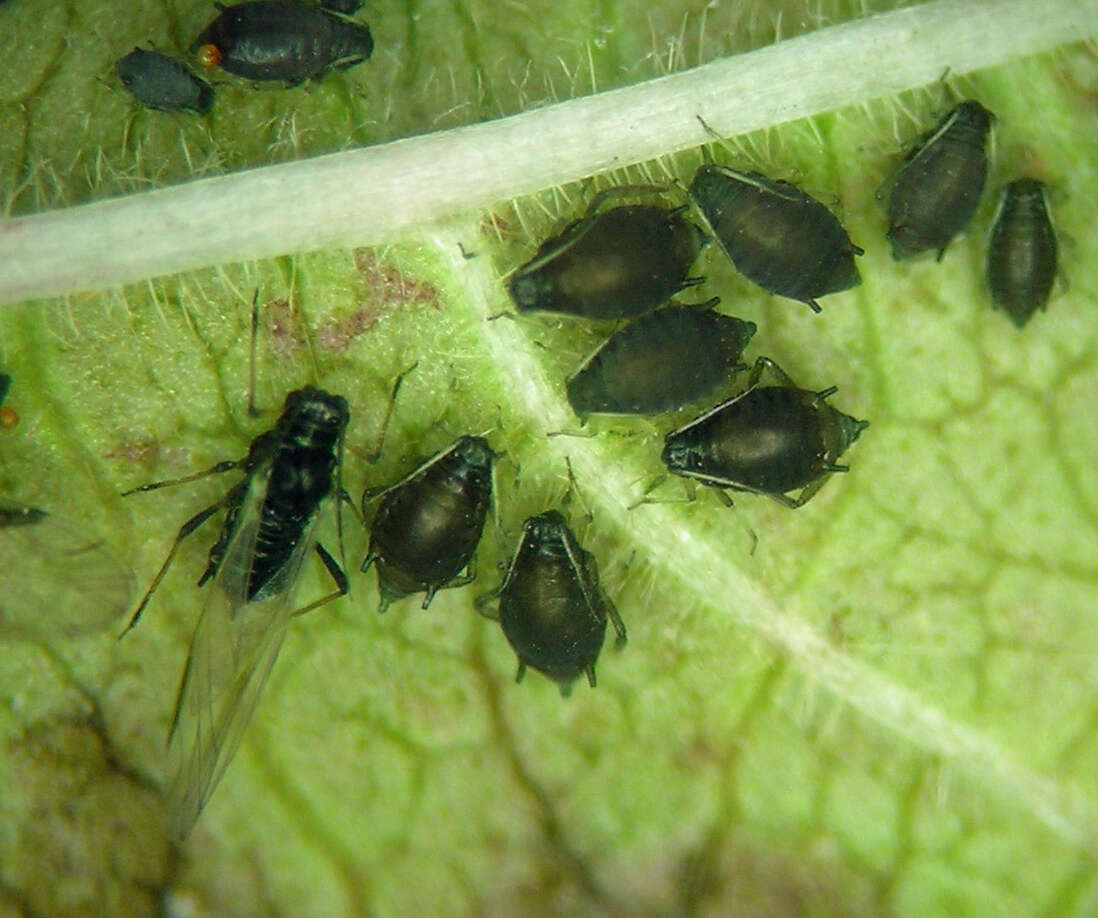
(938, 188)
(1022, 251)
(616, 264)
(660, 362)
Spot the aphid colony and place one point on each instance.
(275, 41)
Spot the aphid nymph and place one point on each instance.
(163, 83)
(551, 607)
(612, 264)
(282, 41)
(1022, 251)
(938, 187)
(768, 440)
(427, 526)
(784, 240)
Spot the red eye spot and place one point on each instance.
(209, 56)
(9, 418)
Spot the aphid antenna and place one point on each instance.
(227, 466)
(374, 455)
(253, 412)
(636, 188)
(573, 489)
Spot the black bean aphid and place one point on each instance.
(283, 41)
(776, 235)
(551, 607)
(1021, 256)
(661, 361)
(428, 524)
(617, 264)
(938, 187)
(344, 7)
(768, 440)
(163, 83)
(289, 473)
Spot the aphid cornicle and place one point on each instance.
(1021, 255)
(938, 187)
(427, 526)
(551, 607)
(661, 361)
(615, 264)
(768, 440)
(784, 240)
(161, 82)
(283, 41)
(289, 473)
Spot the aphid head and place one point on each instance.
(321, 409)
(1025, 190)
(971, 113)
(531, 290)
(678, 455)
(544, 528)
(474, 451)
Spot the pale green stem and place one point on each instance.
(366, 197)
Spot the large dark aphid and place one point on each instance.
(769, 440)
(428, 524)
(551, 607)
(289, 473)
(661, 362)
(161, 82)
(1021, 256)
(781, 238)
(283, 41)
(617, 264)
(938, 188)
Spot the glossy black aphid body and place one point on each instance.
(551, 607)
(428, 525)
(1021, 256)
(161, 82)
(769, 440)
(784, 240)
(938, 188)
(304, 449)
(661, 362)
(345, 7)
(284, 41)
(617, 264)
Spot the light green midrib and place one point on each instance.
(669, 550)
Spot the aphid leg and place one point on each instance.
(337, 574)
(857, 249)
(615, 619)
(481, 604)
(346, 498)
(185, 530)
(566, 687)
(823, 395)
(941, 252)
(813, 305)
(463, 580)
(808, 493)
(521, 671)
(218, 469)
(589, 670)
(723, 497)
(692, 282)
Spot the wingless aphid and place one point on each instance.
(1021, 255)
(60, 579)
(427, 525)
(551, 607)
(661, 361)
(161, 82)
(282, 41)
(768, 440)
(289, 473)
(614, 264)
(776, 235)
(938, 187)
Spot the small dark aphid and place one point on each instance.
(283, 41)
(161, 82)
(776, 235)
(768, 440)
(9, 417)
(551, 607)
(616, 264)
(289, 473)
(938, 188)
(661, 362)
(1021, 256)
(428, 524)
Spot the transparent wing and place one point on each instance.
(59, 578)
(232, 652)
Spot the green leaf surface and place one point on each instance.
(881, 703)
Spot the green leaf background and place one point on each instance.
(883, 706)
